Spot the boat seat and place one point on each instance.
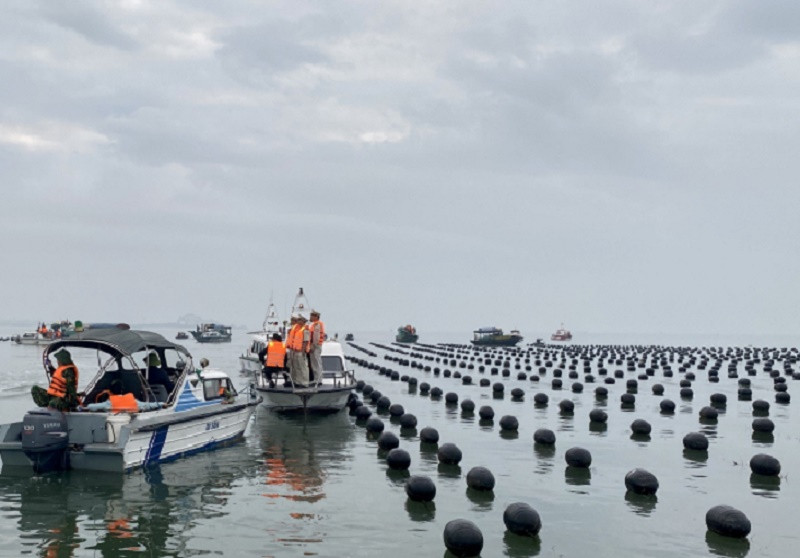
(160, 392)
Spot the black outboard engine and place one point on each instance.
(45, 439)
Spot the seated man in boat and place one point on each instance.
(155, 374)
(62, 393)
(274, 358)
(111, 400)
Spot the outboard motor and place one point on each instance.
(45, 439)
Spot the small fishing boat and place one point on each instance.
(212, 333)
(406, 334)
(349, 337)
(561, 334)
(33, 338)
(249, 361)
(203, 409)
(181, 335)
(494, 337)
(328, 394)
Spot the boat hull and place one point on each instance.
(498, 341)
(99, 442)
(406, 338)
(322, 400)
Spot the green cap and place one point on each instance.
(63, 357)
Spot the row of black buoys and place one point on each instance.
(641, 481)
(578, 457)
(763, 464)
(728, 522)
(480, 478)
(463, 538)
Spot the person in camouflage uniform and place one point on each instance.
(62, 394)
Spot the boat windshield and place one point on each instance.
(332, 364)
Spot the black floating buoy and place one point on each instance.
(641, 427)
(484, 382)
(497, 387)
(601, 392)
(540, 399)
(667, 406)
(449, 454)
(467, 406)
(763, 425)
(658, 389)
(598, 415)
(509, 423)
(367, 389)
(383, 403)
(396, 410)
(544, 436)
(760, 407)
(420, 488)
(486, 412)
(363, 412)
(407, 420)
(429, 435)
(517, 394)
(695, 441)
(783, 397)
(521, 519)
(424, 388)
(578, 457)
(374, 424)
(627, 400)
(709, 413)
(728, 522)
(641, 482)
(451, 398)
(566, 406)
(388, 441)
(463, 538)
(577, 387)
(686, 393)
(398, 459)
(436, 392)
(763, 464)
(480, 478)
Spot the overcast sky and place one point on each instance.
(619, 166)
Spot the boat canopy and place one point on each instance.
(117, 342)
(488, 330)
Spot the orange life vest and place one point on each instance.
(58, 383)
(125, 402)
(276, 354)
(294, 340)
(317, 325)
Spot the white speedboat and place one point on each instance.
(33, 338)
(203, 410)
(249, 362)
(328, 394)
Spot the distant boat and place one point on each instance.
(33, 338)
(492, 336)
(349, 337)
(561, 334)
(248, 360)
(406, 334)
(212, 333)
(182, 335)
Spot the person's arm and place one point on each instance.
(72, 388)
(104, 406)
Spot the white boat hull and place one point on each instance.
(313, 400)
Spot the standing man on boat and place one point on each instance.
(62, 393)
(298, 342)
(317, 336)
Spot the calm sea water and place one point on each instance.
(320, 487)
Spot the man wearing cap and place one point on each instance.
(317, 335)
(297, 340)
(62, 393)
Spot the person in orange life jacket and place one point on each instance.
(298, 341)
(62, 393)
(317, 335)
(273, 358)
